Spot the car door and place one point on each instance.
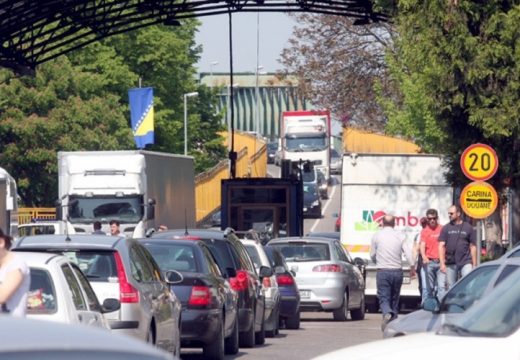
(90, 296)
(159, 297)
(354, 277)
(81, 310)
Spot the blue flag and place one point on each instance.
(141, 115)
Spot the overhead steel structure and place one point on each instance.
(35, 31)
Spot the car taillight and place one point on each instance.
(327, 268)
(240, 282)
(127, 293)
(200, 296)
(284, 280)
(266, 282)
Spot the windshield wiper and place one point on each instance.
(459, 330)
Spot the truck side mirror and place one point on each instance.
(59, 209)
(150, 209)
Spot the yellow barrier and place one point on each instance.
(25, 215)
(251, 162)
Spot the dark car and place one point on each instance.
(209, 305)
(271, 151)
(317, 178)
(289, 294)
(236, 266)
(311, 201)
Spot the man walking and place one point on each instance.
(429, 246)
(114, 228)
(457, 247)
(388, 246)
(97, 229)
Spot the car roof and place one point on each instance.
(305, 239)
(41, 336)
(180, 233)
(329, 234)
(37, 258)
(75, 241)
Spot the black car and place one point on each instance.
(289, 293)
(271, 151)
(209, 305)
(311, 201)
(236, 266)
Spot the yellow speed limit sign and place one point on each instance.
(479, 199)
(479, 162)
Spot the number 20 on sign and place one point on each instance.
(479, 162)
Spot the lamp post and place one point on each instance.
(213, 63)
(228, 112)
(257, 115)
(186, 96)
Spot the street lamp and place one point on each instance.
(228, 112)
(186, 96)
(257, 115)
(211, 71)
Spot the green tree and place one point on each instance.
(458, 68)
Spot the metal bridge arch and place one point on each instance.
(35, 31)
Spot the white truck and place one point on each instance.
(404, 185)
(305, 135)
(140, 189)
(8, 204)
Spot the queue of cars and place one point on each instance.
(207, 289)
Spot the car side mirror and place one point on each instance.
(431, 304)
(149, 232)
(173, 277)
(110, 305)
(265, 271)
(231, 272)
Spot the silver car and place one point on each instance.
(269, 286)
(27, 339)
(336, 161)
(123, 269)
(60, 292)
(327, 278)
(467, 291)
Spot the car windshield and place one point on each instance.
(173, 256)
(496, 315)
(304, 251)
(468, 290)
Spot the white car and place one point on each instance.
(60, 292)
(489, 329)
(269, 285)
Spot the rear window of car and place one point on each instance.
(98, 266)
(304, 251)
(173, 256)
(41, 298)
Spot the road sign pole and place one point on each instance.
(479, 240)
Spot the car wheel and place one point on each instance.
(177, 345)
(247, 338)
(231, 343)
(215, 350)
(260, 335)
(293, 322)
(359, 314)
(341, 314)
(273, 324)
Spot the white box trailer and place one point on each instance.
(404, 185)
(140, 189)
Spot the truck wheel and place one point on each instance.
(341, 314)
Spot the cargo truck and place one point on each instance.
(404, 185)
(140, 189)
(8, 204)
(305, 135)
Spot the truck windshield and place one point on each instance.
(301, 142)
(124, 209)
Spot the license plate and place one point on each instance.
(305, 294)
(406, 280)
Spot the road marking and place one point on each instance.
(324, 208)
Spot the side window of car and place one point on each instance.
(75, 288)
(343, 254)
(210, 260)
(141, 272)
(156, 270)
(92, 300)
(508, 270)
(243, 257)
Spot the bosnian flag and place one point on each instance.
(141, 115)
